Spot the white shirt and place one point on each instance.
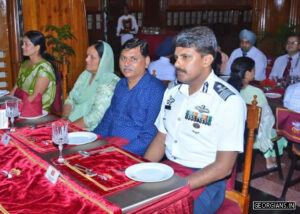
(164, 70)
(281, 63)
(255, 54)
(199, 125)
(127, 22)
(292, 97)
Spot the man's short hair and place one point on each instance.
(135, 42)
(294, 35)
(201, 38)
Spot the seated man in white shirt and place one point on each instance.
(127, 26)
(247, 41)
(292, 97)
(288, 64)
(162, 68)
(201, 121)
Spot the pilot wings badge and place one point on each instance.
(169, 102)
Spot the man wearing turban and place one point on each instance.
(247, 41)
(162, 68)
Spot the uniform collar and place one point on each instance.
(206, 88)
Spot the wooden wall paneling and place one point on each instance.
(94, 5)
(152, 14)
(94, 12)
(207, 4)
(137, 5)
(14, 38)
(267, 16)
(5, 65)
(37, 14)
(78, 19)
(295, 12)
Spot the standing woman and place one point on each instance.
(242, 73)
(36, 74)
(94, 88)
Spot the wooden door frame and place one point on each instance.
(14, 37)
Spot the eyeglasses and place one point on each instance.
(292, 43)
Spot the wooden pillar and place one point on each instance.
(295, 12)
(268, 15)
(14, 38)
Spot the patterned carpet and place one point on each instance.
(271, 183)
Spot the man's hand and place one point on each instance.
(218, 170)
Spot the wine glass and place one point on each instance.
(12, 111)
(60, 137)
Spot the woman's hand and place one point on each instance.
(41, 86)
(66, 110)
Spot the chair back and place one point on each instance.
(253, 118)
(61, 86)
(288, 124)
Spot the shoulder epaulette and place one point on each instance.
(222, 90)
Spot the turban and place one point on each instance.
(166, 47)
(249, 35)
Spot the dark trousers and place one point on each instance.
(211, 199)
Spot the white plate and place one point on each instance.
(44, 113)
(79, 138)
(3, 92)
(149, 172)
(273, 95)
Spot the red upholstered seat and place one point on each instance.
(288, 125)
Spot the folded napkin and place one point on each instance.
(31, 109)
(19, 93)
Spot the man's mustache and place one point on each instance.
(127, 68)
(180, 70)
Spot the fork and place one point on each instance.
(89, 172)
(88, 154)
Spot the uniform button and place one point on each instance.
(175, 141)
(179, 119)
(174, 158)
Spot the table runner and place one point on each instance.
(28, 191)
(40, 138)
(108, 162)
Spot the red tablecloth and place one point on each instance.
(29, 191)
(40, 138)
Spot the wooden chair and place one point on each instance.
(274, 169)
(233, 197)
(62, 69)
(288, 125)
(294, 166)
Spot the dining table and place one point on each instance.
(274, 93)
(92, 178)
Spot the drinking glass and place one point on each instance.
(60, 137)
(12, 111)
